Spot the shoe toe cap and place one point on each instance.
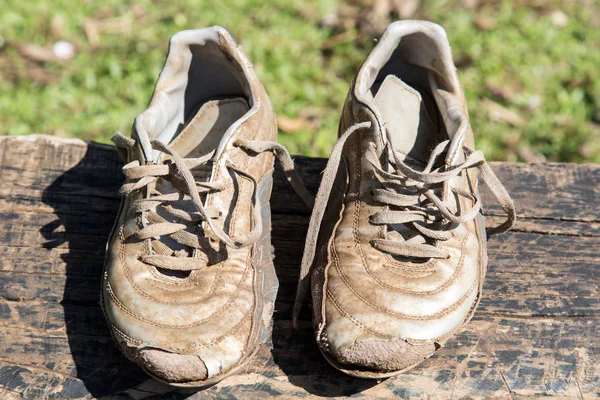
(171, 367)
(377, 355)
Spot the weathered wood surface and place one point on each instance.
(535, 331)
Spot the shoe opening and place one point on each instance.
(202, 66)
(418, 54)
(403, 93)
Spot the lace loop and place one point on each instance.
(413, 250)
(176, 263)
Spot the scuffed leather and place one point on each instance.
(218, 314)
(360, 294)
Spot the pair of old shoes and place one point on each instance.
(395, 253)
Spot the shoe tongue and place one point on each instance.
(209, 127)
(206, 131)
(406, 119)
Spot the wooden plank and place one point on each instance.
(556, 191)
(535, 332)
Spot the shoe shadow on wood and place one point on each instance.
(296, 352)
(85, 203)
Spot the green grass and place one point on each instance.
(532, 85)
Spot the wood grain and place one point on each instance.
(535, 332)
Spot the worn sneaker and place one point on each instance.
(189, 284)
(400, 260)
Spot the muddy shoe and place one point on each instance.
(399, 262)
(189, 284)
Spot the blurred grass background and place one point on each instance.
(529, 68)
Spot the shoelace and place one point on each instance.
(180, 174)
(402, 189)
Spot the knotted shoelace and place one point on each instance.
(179, 172)
(403, 189)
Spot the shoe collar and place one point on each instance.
(166, 109)
(434, 54)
